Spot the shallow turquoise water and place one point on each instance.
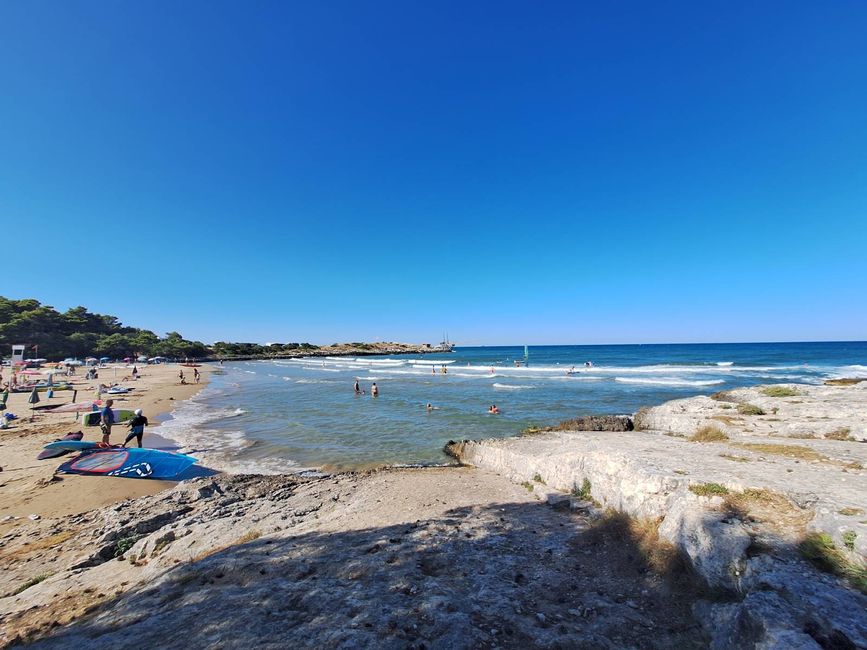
(289, 415)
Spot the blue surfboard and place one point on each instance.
(128, 463)
(72, 445)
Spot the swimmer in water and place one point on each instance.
(429, 407)
(374, 391)
(357, 388)
(493, 409)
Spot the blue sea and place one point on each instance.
(302, 414)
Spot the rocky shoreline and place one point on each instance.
(756, 487)
(703, 528)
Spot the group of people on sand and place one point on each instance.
(374, 389)
(183, 379)
(136, 425)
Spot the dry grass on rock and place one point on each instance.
(708, 433)
(780, 391)
(789, 451)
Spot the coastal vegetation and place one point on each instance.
(819, 549)
(780, 391)
(708, 489)
(33, 581)
(708, 433)
(790, 451)
(78, 332)
(583, 492)
(750, 409)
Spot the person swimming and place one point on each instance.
(493, 409)
(429, 407)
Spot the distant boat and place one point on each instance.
(445, 345)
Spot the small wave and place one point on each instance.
(314, 381)
(725, 363)
(511, 386)
(854, 371)
(663, 381)
(369, 378)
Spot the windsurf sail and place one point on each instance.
(128, 463)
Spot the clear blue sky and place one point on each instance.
(573, 172)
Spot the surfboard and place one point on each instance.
(54, 452)
(72, 445)
(93, 418)
(128, 463)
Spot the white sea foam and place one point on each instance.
(854, 371)
(314, 381)
(725, 363)
(215, 448)
(668, 381)
(511, 386)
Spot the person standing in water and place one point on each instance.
(136, 428)
(374, 391)
(196, 374)
(356, 388)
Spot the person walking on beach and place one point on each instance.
(374, 391)
(106, 421)
(134, 372)
(181, 376)
(136, 428)
(196, 374)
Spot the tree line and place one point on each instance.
(78, 333)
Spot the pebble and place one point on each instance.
(540, 616)
(34, 517)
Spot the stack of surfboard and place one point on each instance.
(97, 460)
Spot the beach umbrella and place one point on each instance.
(33, 399)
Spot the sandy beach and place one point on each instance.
(29, 487)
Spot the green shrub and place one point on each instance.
(708, 489)
(584, 492)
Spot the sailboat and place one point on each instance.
(446, 345)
